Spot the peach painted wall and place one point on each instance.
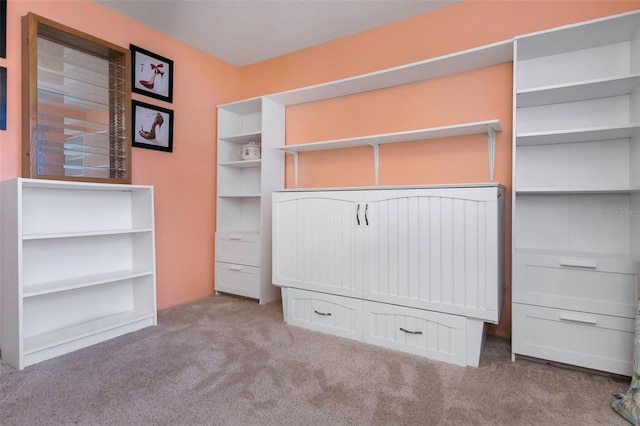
(184, 180)
(472, 96)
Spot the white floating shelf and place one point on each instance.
(588, 89)
(466, 60)
(489, 127)
(578, 135)
(407, 136)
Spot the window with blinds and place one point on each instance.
(77, 92)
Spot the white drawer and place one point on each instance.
(588, 340)
(430, 334)
(238, 247)
(338, 315)
(578, 288)
(241, 280)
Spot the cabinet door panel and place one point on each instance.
(433, 250)
(315, 240)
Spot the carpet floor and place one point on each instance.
(229, 361)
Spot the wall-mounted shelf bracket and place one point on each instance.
(376, 157)
(492, 151)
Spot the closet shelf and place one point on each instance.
(578, 135)
(489, 127)
(578, 91)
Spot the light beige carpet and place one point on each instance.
(229, 361)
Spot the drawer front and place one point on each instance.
(575, 288)
(588, 340)
(241, 280)
(434, 335)
(341, 316)
(238, 247)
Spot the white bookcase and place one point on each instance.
(78, 266)
(243, 223)
(576, 229)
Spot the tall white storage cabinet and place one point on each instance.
(576, 229)
(243, 223)
(78, 266)
(414, 269)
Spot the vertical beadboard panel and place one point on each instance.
(316, 244)
(471, 256)
(414, 283)
(447, 247)
(435, 249)
(458, 261)
(483, 256)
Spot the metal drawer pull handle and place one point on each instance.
(577, 318)
(234, 237)
(328, 314)
(235, 268)
(366, 219)
(358, 215)
(410, 332)
(578, 263)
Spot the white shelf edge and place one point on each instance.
(577, 135)
(28, 237)
(397, 137)
(69, 334)
(235, 231)
(578, 90)
(241, 164)
(241, 138)
(239, 195)
(577, 191)
(454, 63)
(78, 283)
(80, 186)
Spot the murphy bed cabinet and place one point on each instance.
(417, 269)
(78, 266)
(243, 222)
(576, 193)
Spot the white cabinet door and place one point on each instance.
(434, 249)
(315, 238)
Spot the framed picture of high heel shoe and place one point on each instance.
(152, 127)
(151, 74)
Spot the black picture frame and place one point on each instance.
(3, 28)
(3, 98)
(152, 127)
(151, 74)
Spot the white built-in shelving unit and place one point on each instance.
(78, 266)
(244, 197)
(576, 193)
(243, 231)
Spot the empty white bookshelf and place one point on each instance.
(576, 193)
(78, 266)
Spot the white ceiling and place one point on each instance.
(242, 32)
